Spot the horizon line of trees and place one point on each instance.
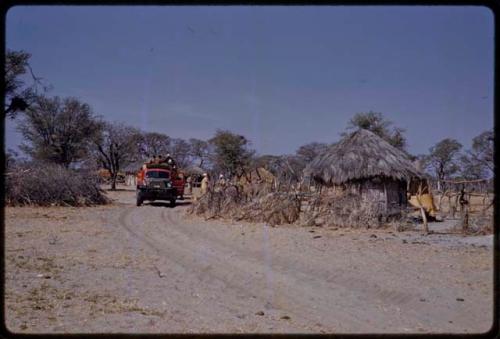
(66, 131)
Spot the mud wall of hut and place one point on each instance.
(389, 194)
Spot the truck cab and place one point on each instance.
(159, 183)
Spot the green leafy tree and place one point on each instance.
(376, 123)
(58, 130)
(231, 154)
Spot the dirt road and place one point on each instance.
(122, 268)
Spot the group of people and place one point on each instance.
(205, 183)
(159, 159)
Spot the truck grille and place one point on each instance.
(158, 184)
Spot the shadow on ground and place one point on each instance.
(167, 204)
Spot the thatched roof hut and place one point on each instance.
(361, 155)
(366, 164)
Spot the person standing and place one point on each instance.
(222, 180)
(204, 183)
(189, 183)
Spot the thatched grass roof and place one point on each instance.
(361, 155)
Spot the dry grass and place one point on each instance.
(105, 303)
(43, 184)
(274, 208)
(235, 203)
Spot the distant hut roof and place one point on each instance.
(361, 155)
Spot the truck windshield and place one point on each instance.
(157, 174)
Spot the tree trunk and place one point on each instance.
(465, 219)
(113, 182)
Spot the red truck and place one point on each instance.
(159, 182)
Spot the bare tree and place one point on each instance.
(267, 161)
(482, 150)
(10, 158)
(153, 143)
(117, 146)
(443, 159)
(19, 96)
(286, 168)
(309, 151)
(58, 130)
(470, 169)
(199, 150)
(180, 151)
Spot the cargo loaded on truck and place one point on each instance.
(159, 181)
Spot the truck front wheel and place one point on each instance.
(139, 199)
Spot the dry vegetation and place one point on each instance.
(288, 207)
(346, 210)
(238, 202)
(252, 198)
(274, 208)
(44, 184)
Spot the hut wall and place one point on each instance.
(390, 194)
(372, 190)
(396, 195)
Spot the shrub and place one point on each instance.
(44, 184)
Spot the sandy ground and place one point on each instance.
(150, 269)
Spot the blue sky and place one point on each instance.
(281, 76)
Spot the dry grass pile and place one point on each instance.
(234, 203)
(219, 203)
(345, 210)
(275, 208)
(257, 182)
(49, 184)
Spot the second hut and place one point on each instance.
(365, 164)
